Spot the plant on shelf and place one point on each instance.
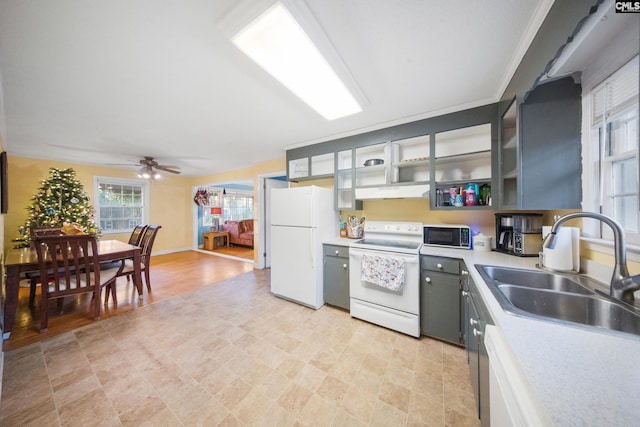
(60, 200)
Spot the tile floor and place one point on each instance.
(231, 354)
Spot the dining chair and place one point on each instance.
(136, 234)
(134, 239)
(71, 265)
(126, 267)
(34, 276)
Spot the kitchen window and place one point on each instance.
(612, 166)
(120, 204)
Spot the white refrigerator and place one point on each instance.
(301, 218)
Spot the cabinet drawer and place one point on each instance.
(444, 265)
(430, 277)
(336, 250)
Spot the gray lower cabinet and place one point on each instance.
(476, 318)
(440, 304)
(336, 275)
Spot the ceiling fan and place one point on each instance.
(151, 167)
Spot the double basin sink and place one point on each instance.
(561, 298)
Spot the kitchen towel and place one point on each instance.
(384, 271)
(565, 256)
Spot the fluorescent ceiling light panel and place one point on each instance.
(277, 43)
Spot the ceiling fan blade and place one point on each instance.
(170, 169)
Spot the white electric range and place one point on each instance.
(384, 275)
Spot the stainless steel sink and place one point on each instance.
(567, 299)
(534, 279)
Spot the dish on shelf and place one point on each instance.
(373, 162)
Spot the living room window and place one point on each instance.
(237, 206)
(120, 204)
(612, 161)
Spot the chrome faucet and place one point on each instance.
(622, 285)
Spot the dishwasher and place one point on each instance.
(513, 401)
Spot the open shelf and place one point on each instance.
(484, 154)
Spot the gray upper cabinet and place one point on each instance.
(401, 162)
(344, 181)
(463, 161)
(410, 160)
(540, 153)
(310, 167)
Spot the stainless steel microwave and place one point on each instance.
(447, 235)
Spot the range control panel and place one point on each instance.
(393, 228)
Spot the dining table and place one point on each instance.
(22, 260)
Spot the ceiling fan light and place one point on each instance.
(145, 172)
(157, 175)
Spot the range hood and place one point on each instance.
(393, 192)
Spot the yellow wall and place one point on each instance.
(170, 199)
(251, 173)
(171, 203)
(480, 220)
(590, 254)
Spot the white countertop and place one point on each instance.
(339, 241)
(581, 377)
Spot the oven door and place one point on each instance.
(406, 299)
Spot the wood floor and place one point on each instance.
(237, 251)
(171, 275)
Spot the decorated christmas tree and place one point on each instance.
(61, 200)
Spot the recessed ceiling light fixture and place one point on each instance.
(277, 43)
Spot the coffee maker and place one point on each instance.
(519, 234)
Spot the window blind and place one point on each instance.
(617, 92)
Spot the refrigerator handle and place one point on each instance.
(311, 252)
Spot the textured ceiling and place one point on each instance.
(109, 82)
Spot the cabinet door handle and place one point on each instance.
(476, 333)
(439, 266)
(464, 272)
(337, 252)
(473, 322)
(427, 279)
(344, 266)
(465, 293)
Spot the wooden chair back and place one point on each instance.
(72, 267)
(34, 276)
(147, 245)
(44, 231)
(147, 240)
(136, 234)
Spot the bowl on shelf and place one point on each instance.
(373, 162)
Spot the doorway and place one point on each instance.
(266, 183)
(223, 218)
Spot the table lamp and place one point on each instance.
(216, 212)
